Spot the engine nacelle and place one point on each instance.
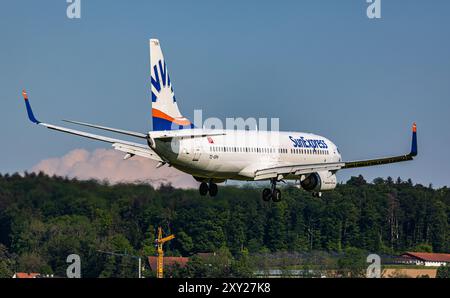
(324, 180)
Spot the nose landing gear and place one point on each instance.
(210, 187)
(272, 192)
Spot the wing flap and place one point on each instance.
(297, 170)
(137, 150)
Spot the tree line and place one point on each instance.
(44, 219)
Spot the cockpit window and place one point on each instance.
(338, 150)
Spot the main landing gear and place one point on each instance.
(210, 187)
(317, 194)
(272, 193)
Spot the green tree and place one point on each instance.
(6, 263)
(423, 247)
(356, 181)
(242, 267)
(443, 272)
(43, 219)
(197, 267)
(275, 236)
(184, 242)
(352, 263)
(33, 263)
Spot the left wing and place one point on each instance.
(120, 145)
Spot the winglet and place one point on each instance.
(29, 110)
(414, 140)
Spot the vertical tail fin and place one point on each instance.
(165, 112)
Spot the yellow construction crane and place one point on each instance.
(159, 243)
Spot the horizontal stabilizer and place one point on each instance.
(185, 133)
(121, 131)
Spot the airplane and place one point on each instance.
(214, 156)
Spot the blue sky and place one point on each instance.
(320, 66)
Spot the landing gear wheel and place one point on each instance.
(276, 196)
(203, 189)
(213, 189)
(266, 194)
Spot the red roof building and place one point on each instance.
(25, 275)
(168, 262)
(426, 258)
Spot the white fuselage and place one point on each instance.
(237, 154)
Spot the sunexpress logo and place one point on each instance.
(308, 143)
(161, 82)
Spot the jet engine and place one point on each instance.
(319, 181)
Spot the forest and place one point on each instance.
(44, 219)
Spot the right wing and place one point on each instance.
(120, 145)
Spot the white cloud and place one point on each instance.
(103, 164)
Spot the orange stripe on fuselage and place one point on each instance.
(158, 114)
